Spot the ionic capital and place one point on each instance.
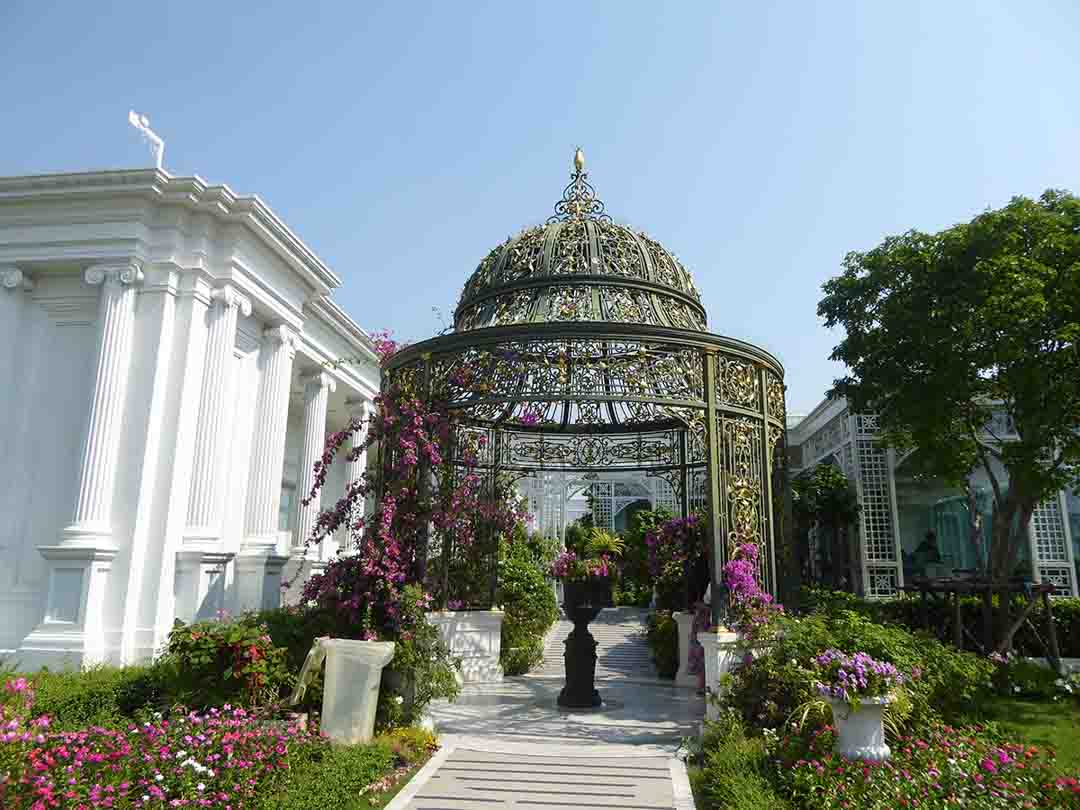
(12, 278)
(357, 408)
(127, 273)
(282, 335)
(228, 296)
(320, 379)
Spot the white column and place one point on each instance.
(258, 566)
(317, 388)
(97, 471)
(358, 409)
(268, 446)
(72, 631)
(207, 487)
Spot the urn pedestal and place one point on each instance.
(860, 733)
(583, 602)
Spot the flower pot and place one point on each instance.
(583, 600)
(860, 733)
(351, 691)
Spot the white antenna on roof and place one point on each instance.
(142, 123)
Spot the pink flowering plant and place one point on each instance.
(941, 766)
(570, 567)
(752, 611)
(850, 678)
(671, 547)
(222, 758)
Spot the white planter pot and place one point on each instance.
(474, 636)
(683, 677)
(860, 733)
(351, 689)
(721, 655)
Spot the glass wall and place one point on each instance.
(1072, 501)
(925, 505)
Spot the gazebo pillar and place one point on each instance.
(714, 492)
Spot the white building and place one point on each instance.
(897, 508)
(165, 391)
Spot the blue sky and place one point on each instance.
(758, 141)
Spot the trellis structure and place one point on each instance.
(581, 345)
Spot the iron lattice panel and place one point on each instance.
(1048, 527)
(1060, 576)
(882, 582)
(879, 544)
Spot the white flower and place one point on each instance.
(399, 700)
(145, 798)
(159, 778)
(181, 754)
(1016, 688)
(200, 787)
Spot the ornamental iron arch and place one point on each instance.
(581, 345)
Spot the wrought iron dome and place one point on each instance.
(581, 346)
(580, 266)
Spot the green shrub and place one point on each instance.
(422, 669)
(908, 611)
(1027, 679)
(734, 771)
(215, 662)
(529, 606)
(322, 776)
(101, 696)
(409, 744)
(943, 682)
(662, 633)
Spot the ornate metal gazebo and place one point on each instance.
(590, 346)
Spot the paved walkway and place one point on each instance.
(509, 745)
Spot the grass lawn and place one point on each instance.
(1056, 725)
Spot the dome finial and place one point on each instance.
(579, 198)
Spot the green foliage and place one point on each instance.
(529, 606)
(824, 497)
(662, 633)
(943, 329)
(601, 541)
(734, 772)
(325, 776)
(635, 585)
(1027, 679)
(422, 669)
(576, 536)
(215, 662)
(943, 682)
(100, 696)
(409, 744)
(907, 611)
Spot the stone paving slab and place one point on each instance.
(478, 779)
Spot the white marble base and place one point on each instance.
(474, 636)
(72, 634)
(685, 622)
(721, 654)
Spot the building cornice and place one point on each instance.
(335, 317)
(192, 193)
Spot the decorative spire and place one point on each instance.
(579, 200)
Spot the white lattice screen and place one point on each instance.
(881, 564)
(1053, 559)
(603, 514)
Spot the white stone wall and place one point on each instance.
(150, 329)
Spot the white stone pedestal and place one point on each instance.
(860, 733)
(72, 634)
(474, 636)
(257, 581)
(683, 677)
(351, 687)
(721, 654)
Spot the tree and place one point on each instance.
(944, 329)
(824, 496)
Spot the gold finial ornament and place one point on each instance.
(579, 159)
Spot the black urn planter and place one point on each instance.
(582, 601)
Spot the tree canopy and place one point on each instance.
(943, 329)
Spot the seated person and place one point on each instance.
(926, 554)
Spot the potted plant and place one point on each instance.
(858, 688)
(586, 575)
